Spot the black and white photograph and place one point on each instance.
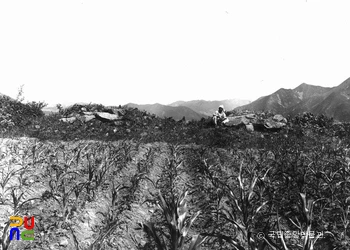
(175, 125)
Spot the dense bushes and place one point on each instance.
(15, 115)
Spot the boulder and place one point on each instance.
(254, 122)
(249, 127)
(271, 124)
(237, 121)
(119, 111)
(104, 116)
(86, 118)
(251, 116)
(279, 118)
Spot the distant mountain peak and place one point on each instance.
(345, 84)
(330, 101)
(176, 112)
(207, 108)
(304, 85)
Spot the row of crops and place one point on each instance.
(286, 193)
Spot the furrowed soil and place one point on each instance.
(88, 193)
(127, 194)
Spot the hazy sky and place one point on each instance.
(119, 51)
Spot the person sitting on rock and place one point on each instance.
(219, 117)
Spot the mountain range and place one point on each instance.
(168, 111)
(331, 101)
(191, 110)
(207, 108)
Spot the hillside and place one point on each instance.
(176, 113)
(336, 103)
(333, 102)
(278, 102)
(98, 177)
(207, 108)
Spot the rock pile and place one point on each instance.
(82, 114)
(257, 122)
(132, 119)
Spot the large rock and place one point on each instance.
(279, 118)
(251, 116)
(257, 122)
(272, 124)
(104, 116)
(119, 111)
(86, 118)
(237, 121)
(249, 127)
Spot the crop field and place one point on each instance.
(286, 192)
(145, 183)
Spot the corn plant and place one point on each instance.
(99, 161)
(178, 222)
(341, 203)
(111, 218)
(243, 208)
(123, 187)
(210, 190)
(304, 226)
(16, 184)
(330, 179)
